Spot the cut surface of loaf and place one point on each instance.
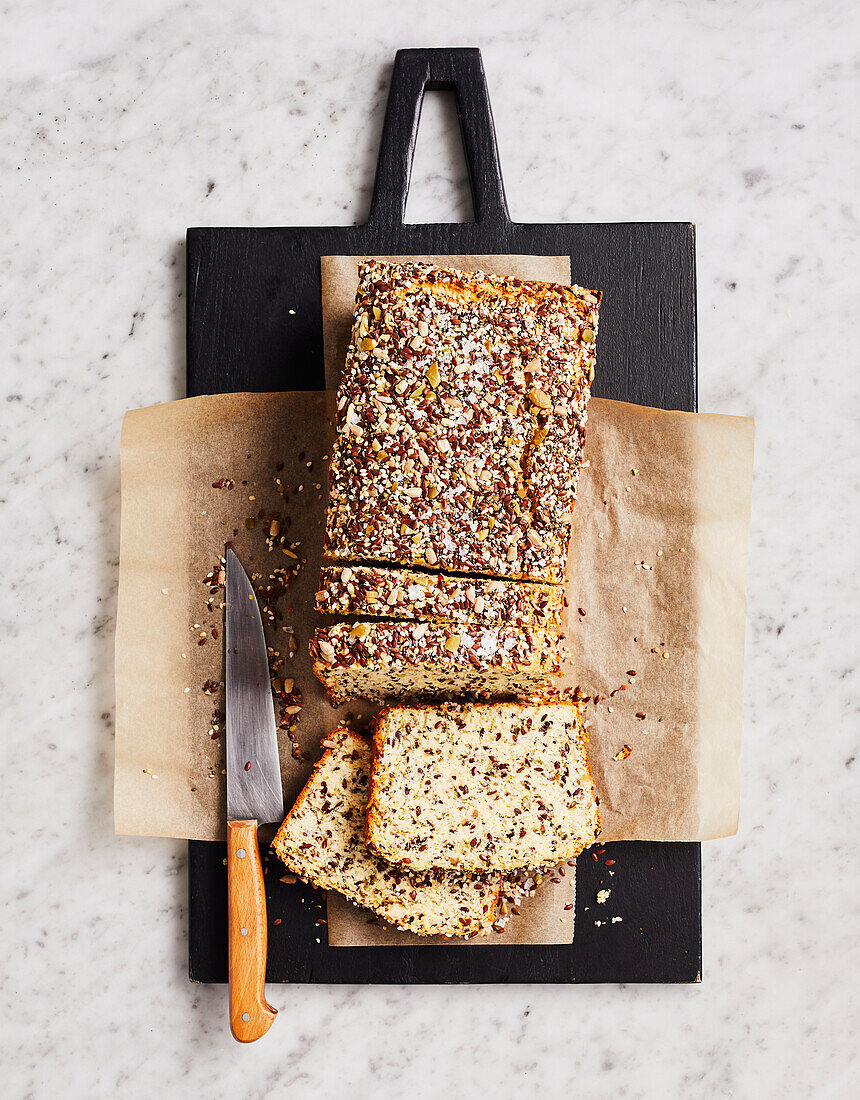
(322, 841)
(482, 787)
(460, 421)
(381, 592)
(387, 660)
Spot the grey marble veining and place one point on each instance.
(123, 124)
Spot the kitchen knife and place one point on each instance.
(254, 796)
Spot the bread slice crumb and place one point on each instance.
(481, 787)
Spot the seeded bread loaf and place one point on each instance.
(322, 841)
(460, 422)
(382, 592)
(388, 660)
(479, 788)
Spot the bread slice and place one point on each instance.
(479, 788)
(388, 660)
(322, 841)
(381, 592)
(460, 422)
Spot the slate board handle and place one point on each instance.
(416, 71)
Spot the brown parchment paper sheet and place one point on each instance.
(543, 918)
(691, 490)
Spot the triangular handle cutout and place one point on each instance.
(439, 187)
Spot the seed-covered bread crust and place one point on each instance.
(381, 592)
(461, 417)
(482, 787)
(386, 660)
(322, 841)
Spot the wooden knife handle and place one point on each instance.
(250, 1013)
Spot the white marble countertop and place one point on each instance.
(123, 124)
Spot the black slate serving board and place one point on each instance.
(242, 336)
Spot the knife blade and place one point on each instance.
(254, 795)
